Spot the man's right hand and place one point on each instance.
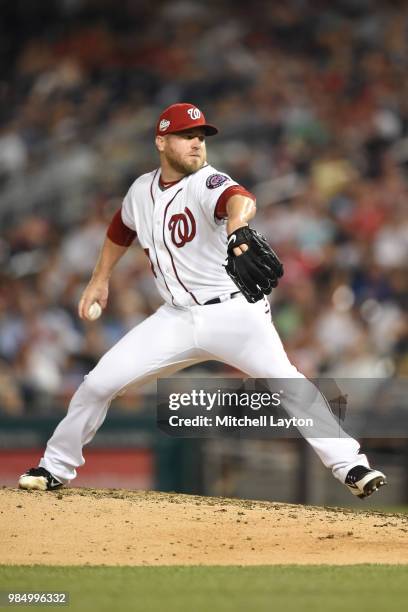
(96, 291)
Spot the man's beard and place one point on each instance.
(183, 167)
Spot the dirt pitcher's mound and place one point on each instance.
(115, 527)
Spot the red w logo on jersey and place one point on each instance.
(182, 227)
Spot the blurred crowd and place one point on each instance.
(311, 99)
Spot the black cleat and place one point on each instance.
(38, 479)
(363, 481)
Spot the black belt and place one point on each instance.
(218, 300)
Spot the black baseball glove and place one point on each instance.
(257, 271)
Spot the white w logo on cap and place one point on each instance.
(194, 113)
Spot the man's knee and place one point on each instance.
(98, 387)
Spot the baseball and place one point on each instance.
(94, 311)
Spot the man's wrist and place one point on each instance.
(100, 277)
(234, 224)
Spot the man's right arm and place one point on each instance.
(118, 239)
(97, 289)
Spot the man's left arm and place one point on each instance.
(250, 263)
(240, 210)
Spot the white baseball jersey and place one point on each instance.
(180, 234)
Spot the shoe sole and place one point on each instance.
(368, 485)
(373, 486)
(33, 483)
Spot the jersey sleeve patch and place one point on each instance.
(216, 180)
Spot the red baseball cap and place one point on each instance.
(183, 116)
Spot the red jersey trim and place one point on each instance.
(163, 186)
(151, 185)
(169, 252)
(220, 211)
(120, 233)
(153, 242)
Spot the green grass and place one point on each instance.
(371, 588)
(401, 509)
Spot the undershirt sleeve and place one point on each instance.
(220, 211)
(120, 233)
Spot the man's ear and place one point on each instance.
(160, 143)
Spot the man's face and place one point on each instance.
(185, 151)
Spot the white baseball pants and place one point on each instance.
(235, 332)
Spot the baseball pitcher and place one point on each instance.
(213, 273)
